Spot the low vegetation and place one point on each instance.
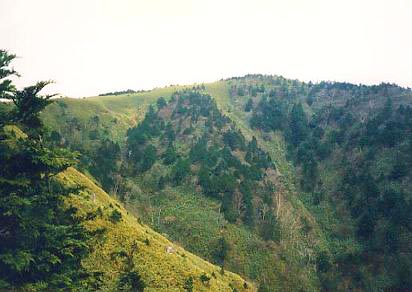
(62, 232)
(296, 186)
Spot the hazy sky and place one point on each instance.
(94, 46)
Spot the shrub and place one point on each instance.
(188, 286)
(204, 278)
(131, 281)
(116, 216)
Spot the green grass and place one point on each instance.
(284, 265)
(275, 146)
(160, 270)
(297, 244)
(116, 112)
(194, 221)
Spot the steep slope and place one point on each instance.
(302, 238)
(187, 146)
(115, 113)
(96, 127)
(312, 133)
(249, 254)
(349, 148)
(121, 238)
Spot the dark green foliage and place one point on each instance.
(196, 105)
(310, 174)
(363, 149)
(28, 105)
(180, 171)
(217, 186)
(170, 156)
(271, 114)
(105, 164)
(221, 250)
(162, 183)
(150, 127)
(234, 140)
(269, 228)
(161, 103)
(170, 133)
(204, 278)
(131, 281)
(200, 145)
(149, 158)
(55, 138)
(253, 91)
(188, 131)
(199, 152)
(94, 135)
(310, 100)
(188, 286)
(42, 242)
(228, 207)
(7, 89)
(323, 262)
(115, 216)
(256, 156)
(246, 190)
(298, 125)
(121, 92)
(249, 105)
(317, 197)
(220, 172)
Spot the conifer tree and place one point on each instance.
(42, 241)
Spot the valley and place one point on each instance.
(301, 232)
(294, 186)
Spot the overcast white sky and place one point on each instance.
(94, 46)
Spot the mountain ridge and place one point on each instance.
(254, 104)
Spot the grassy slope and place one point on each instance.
(129, 109)
(159, 270)
(276, 146)
(294, 211)
(178, 211)
(195, 221)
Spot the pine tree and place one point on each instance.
(249, 105)
(7, 88)
(149, 158)
(170, 155)
(180, 170)
(298, 125)
(161, 102)
(41, 240)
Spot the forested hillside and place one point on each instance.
(61, 232)
(188, 147)
(295, 185)
(155, 158)
(350, 146)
